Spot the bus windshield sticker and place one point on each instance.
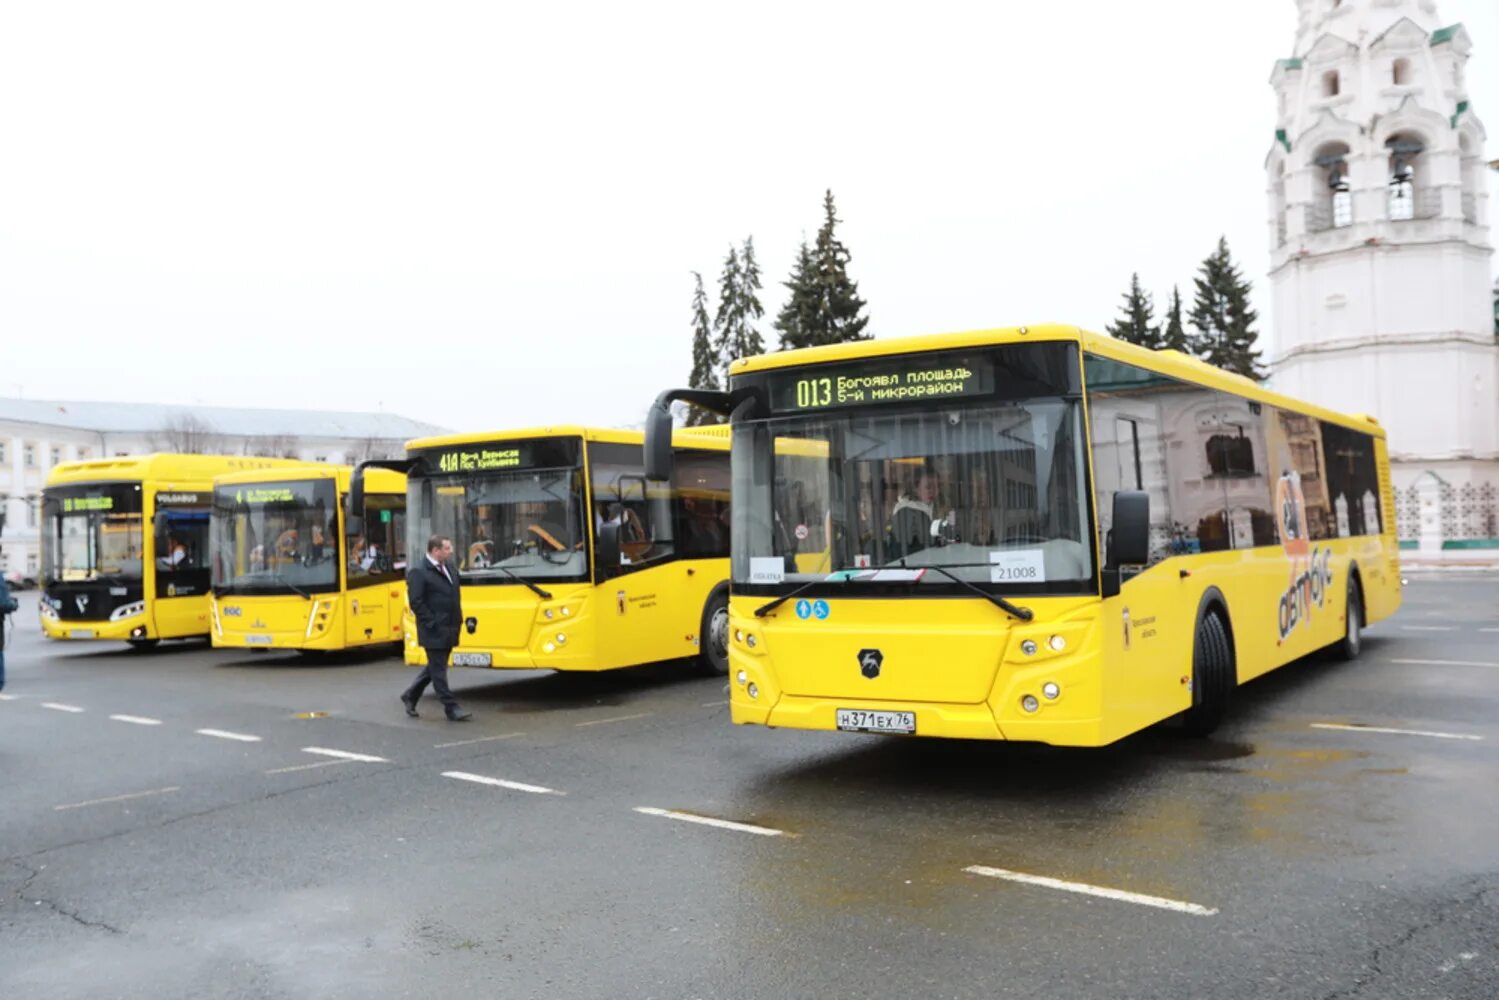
(1017, 566)
(767, 569)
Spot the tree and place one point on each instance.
(1222, 318)
(705, 362)
(800, 311)
(738, 308)
(1173, 334)
(835, 308)
(187, 434)
(1136, 324)
(272, 446)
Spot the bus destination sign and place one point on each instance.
(882, 380)
(265, 494)
(73, 505)
(482, 458)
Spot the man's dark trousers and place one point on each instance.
(435, 673)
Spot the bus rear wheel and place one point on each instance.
(1212, 676)
(1352, 643)
(713, 633)
(141, 645)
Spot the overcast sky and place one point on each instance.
(486, 215)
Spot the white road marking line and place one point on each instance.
(617, 718)
(1446, 663)
(9, 697)
(1429, 628)
(518, 786)
(723, 824)
(715, 704)
(1489, 630)
(481, 739)
(346, 755)
(307, 767)
(224, 734)
(60, 707)
(136, 720)
(1160, 902)
(1397, 732)
(118, 798)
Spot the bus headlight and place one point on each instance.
(561, 638)
(1057, 643)
(741, 677)
(128, 611)
(754, 692)
(1028, 647)
(548, 614)
(1029, 703)
(749, 640)
(1051, 690)
(46, 610)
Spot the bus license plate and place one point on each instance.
(859, 721)
(259, 640)
(81, 633)
(470, 659)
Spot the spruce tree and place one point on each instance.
(704, 361)
(738, 308)
(1174, 335)
(1221, 317)
(825, 299)
(798, 314)
(1137, 322)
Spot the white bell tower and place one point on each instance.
(1380, 248)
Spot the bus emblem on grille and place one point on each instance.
(870, 661)
(82, 603)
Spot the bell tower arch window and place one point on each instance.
(1332, 197)
(1330, 83)
(1400, 72)
(1409, 197)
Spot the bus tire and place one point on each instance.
(713, 634)
(1352, 643)
(1212, 676)
(141, 645)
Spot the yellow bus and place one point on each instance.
(1034, 534)
(569, 560)
(125, 546)
(296, 565)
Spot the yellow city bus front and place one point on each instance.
(526, 511)
(125, 546)
(286, 574)
(928, 537)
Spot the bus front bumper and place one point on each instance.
(123, 630)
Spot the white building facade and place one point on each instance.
(1381, 255)
(36, 435)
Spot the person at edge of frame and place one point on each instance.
(433, 591)
(8, 606)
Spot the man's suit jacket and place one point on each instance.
(436, 603)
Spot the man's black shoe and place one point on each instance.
(459, 715)
(410, 704)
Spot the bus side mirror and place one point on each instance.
(658, 428)
(1129, 538)
(607, 549)
(353, 525)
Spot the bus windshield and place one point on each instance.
(275, 538)
(990, 492)
(505, 523)
(91, 533)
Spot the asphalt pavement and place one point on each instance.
(199, 823)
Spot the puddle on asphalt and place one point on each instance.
(310, 715)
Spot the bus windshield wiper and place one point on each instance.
(291, 586)
(766, 609)
(1024, 614)
(544, 595)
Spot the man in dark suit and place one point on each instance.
(432, 590)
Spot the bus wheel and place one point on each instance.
(713, 643)
(1212, 677)
(1352, 642)
(142, 644)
